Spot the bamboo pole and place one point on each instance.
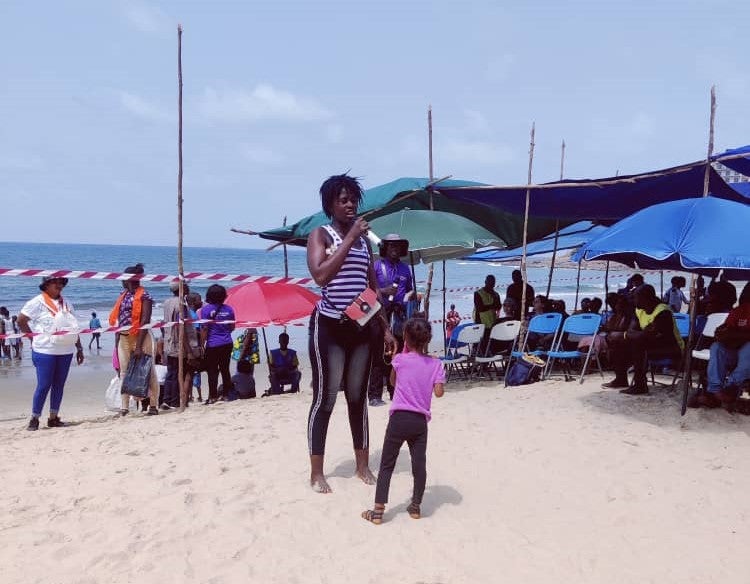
(445, 340)
(525, 278)
(686, 381)
(606, 284)
(431, 269)
(557, 224)
(180, 265)
(578, 285)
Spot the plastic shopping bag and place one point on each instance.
(112, 396)
(137, 378)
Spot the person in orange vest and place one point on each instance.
(133, 308)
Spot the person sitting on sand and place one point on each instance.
(416, 376)
(283, 367)
(729, 364)
(652, 332)
(243, 381)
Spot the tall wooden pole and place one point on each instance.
(431, 269)
(286, 257)
(557, 224)
(693, 292)
(525, 278)
(180, 266)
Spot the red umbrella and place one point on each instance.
(270, 303)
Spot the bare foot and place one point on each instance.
(366, 475)
(319, 484)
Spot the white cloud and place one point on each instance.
(261, 155)
(146, 18)
(499, 68)
(474, 151)
(141, 108)
(264, 102)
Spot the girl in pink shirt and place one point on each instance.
(416, 376)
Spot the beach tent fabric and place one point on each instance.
(693, 235)
(570, 237)
(738, 159)
(601, 200)
(410, 193)
(742, 188)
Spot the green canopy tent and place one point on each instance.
(435, 236)
(416, 193)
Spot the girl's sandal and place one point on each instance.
(414, 511)
(373, 516)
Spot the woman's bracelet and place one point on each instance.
(625, 335)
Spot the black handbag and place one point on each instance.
(137, 380)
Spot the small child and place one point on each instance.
(674, 297)
(415, 376)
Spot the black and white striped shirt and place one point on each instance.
(350, 280)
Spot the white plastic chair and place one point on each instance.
(503, 331)
(713, 322)
(468, 338)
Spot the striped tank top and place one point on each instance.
(350, 281)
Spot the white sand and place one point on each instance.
(549, 483)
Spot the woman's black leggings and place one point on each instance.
(340, 356)
(217, 361)
(409, 427)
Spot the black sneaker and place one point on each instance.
(165, 406)
(152, 411)
(635, 390)
(55, 423)
(33, 425)
(616, 384)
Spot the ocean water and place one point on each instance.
(93, 295)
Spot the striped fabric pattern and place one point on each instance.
(349, 282)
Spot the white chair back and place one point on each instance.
(505, 331)
(713, 322)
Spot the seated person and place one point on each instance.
(653, 332)
(283, 367)
(243, 381)
(729, 365)
(595, 306)
(618, 321)
(721, 295)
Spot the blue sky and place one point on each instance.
(280, 94)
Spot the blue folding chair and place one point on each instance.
(682, 320)
(453, 344)
(542, 324)
(582, 325)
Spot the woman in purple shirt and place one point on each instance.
(217, 341)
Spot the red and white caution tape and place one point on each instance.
(192, 276)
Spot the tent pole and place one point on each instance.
(413, 276)
(578, 285)
(180, 263)
(706, 180)
(524, 276)
(431, 269)
(661, 283)
(445, 341)
(265, 344)
(557, 224)
(286, 261)
(606, 284)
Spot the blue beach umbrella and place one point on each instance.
(702, 236)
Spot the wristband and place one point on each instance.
(625, 335)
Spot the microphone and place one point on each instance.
(374, 239)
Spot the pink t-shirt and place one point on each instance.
(415, 376)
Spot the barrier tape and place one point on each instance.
(192, 276)
(155, 325)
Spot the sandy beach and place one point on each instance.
(549, 482)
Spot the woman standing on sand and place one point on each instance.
(340, 261)
(51, 354)
(133, 307)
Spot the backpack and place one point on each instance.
(525, 370)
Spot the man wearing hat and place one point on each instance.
(396, 287)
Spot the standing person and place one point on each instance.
(416, 376)
(216, 340)
(133, 308)
(175, 309)
(515, 291)
(194, 303)
(675, 297)
(452, 320)
(283, 367)
(394, 287)
(339, 261)
(6, 328)
(95, 323)
(486, 308)
(51, 354)
(17, 343)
